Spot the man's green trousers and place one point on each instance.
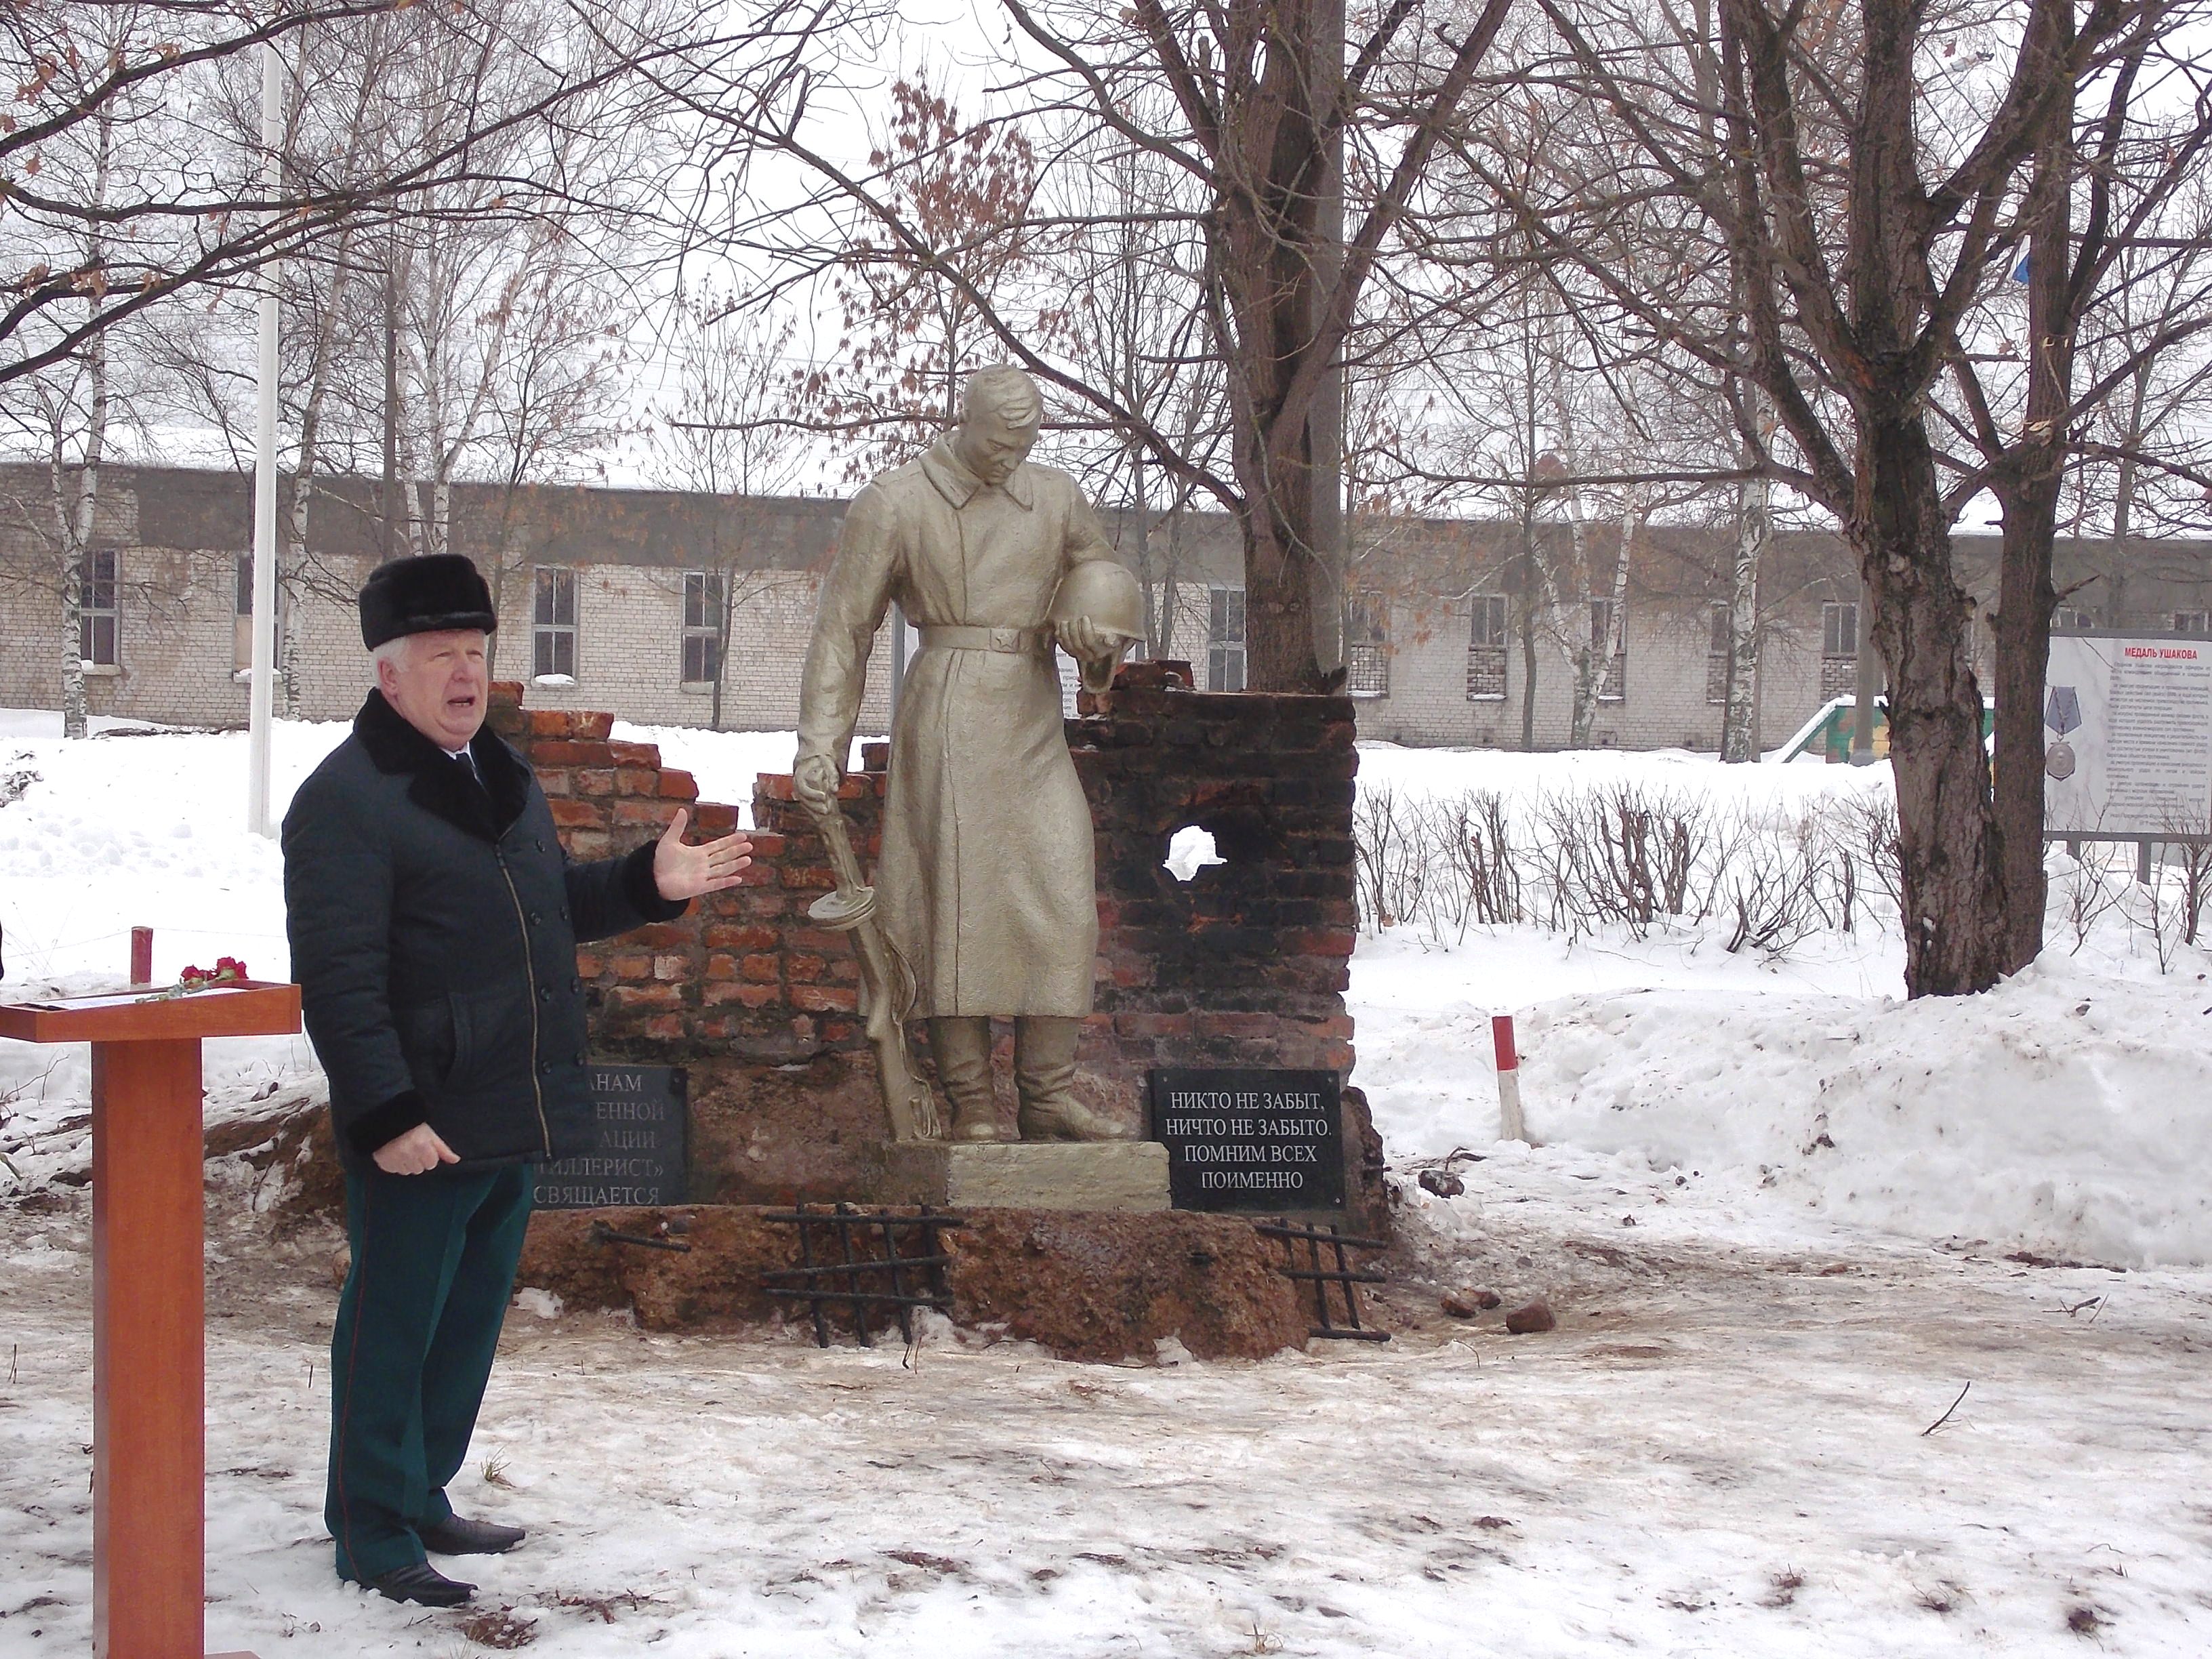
(434, 1260)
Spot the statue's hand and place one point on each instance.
(814, 780)
(1086, 642)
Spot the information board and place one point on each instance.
(2127, 734)
(639, 1114)
(1250, 1139)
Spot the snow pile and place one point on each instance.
(2062, 1114)
(2059, 1115)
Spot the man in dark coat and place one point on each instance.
(433, 920)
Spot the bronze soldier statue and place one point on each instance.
(986, 884)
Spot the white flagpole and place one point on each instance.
(263, 700)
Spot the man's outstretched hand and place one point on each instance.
(685, 873)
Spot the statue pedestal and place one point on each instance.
(1104, 1175)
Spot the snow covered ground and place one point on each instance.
(1772, 1203)
(1723, 1452)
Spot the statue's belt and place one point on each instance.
(1014, 641)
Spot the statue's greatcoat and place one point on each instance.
(986, 881)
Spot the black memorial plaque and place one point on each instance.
(638, 1114)
(1250, 1139)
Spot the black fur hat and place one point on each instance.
(422, 596)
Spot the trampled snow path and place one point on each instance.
(1719, 1453)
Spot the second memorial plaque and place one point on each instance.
(1250, 1139)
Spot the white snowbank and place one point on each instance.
(2060, 1113)
(2064, 1113)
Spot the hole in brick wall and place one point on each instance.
(1190, 849)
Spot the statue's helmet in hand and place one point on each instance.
(1104, 592)
(1108, 595)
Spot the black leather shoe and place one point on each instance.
(418, 1581)
(456, 1535)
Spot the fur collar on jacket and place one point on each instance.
(442, 786)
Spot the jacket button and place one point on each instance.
(546, 1069)
(541, 843)
(579, 1056)
(545, 994)
(535, 918)
(564, 913)
(575, 983)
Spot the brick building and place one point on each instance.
(614, 600)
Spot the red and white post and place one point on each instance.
(1509, 1126)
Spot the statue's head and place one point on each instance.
(999, 410)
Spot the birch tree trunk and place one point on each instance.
(1755, 529)
(1575, 631)
(1599, 654)
(77, 502)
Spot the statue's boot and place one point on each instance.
(1044, 1078)
(962, 1049)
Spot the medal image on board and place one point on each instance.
(2062, 713)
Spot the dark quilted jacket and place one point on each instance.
(434, 923)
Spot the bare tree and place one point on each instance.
(1264, 105)
(2114, 224)
(1130, 265)
(727, 441)
(63, 412)
(1860, 232)
(912, 326)
(197, 215)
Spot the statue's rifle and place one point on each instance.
(887, 984)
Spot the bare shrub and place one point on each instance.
(1393, 857)
(2087, 894)
(1640, 850)
(1868, 823)
(2157, 915)
(1562, 865)
(1628, 857)
(1478, 878)
(1771, 890)
(2196, 865)
(1486, 846)
(2190, 853)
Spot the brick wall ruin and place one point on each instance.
(1246, 964)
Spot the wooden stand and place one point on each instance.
(149, 1343)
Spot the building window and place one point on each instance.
(1839, 650)
(95, 615)
(1367, 648)
(2072, 619)
(1224, 639)
(1486, 649)
(702, 627)
(1717, 654)
(242, 614)
(1614, 686)
(2190, 621)
(554, 633)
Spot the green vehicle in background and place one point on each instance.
(1828, 733)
